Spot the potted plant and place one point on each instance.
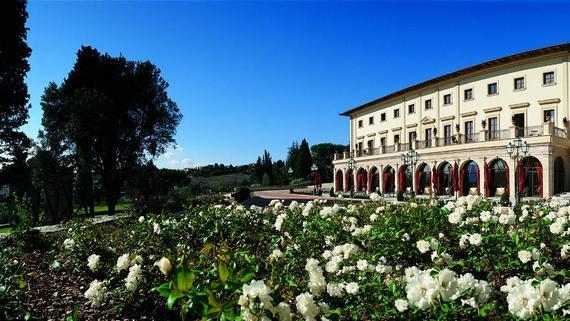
(435, 131)
(565, 121)
(484, 123)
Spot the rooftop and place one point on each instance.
(482, 66)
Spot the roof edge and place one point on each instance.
(465, 71)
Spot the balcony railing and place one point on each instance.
(504, 134)
(559, 132)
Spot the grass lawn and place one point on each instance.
(5, 230)
(221, 180)
(102, 209)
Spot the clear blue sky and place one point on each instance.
(255, 76)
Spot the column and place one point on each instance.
(547, 162)
(397, 180)
(512, 177)
(334, 178)
(413, 178)
(381, 179)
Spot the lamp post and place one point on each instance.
(517, 149)
(315, 169)
(351, 164)
(411, 158)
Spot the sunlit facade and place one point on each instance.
(460, 124)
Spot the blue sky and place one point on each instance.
(250, 76)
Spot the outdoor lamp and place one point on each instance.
(517, 142)
(290, 171)
(314, 168)
(525, 147)
(510, 148)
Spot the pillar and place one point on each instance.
(381, 179)
(397, 180)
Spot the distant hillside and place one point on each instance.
(225, 182)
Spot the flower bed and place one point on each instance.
(468, 259)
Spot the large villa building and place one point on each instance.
(459, 124)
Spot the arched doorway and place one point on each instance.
(361, 180)
(349, 184)
(530, 177)
(374, 180)
(423, 180)
(498, 178)
(405, 179)
(339, 181)
(445, 179)
(469, 178)
(559, 175)
(389, 180)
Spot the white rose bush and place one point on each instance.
(424, 260)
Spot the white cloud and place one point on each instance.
(175, 158)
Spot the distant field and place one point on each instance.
(222, 180)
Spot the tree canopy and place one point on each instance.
(109, 115)
(14, 54)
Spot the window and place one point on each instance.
(548, 78)
(411, 136)
(492, 89)
(383, 117)
(428, 104)
(370, 145)
(382, 141)
(447, 99)
(370, 120)
(428, 137)
(493, 128)
(519, 83)
(548, 115)
(447, 134)
(360, 125)
(396, 113)
(468, 94)
(411, 109)
(469, 131)
(396, 139)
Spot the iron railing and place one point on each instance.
(504, 134)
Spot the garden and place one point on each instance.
(423, 259)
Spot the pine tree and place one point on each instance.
(292, 157)
(14, 66)
(258, 170)
(268, 166)
(304, 160)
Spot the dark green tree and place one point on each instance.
(14, 54)
(116, 114)
(292, 156)
(323, 155)
(258, 170)
(304, 161)
(267, 164)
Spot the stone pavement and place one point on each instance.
(58, 227)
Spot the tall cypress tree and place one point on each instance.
(14, 54)
(304, 160)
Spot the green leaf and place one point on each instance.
(248, 277)
(172, 299)
(223, 272)
(163, 290)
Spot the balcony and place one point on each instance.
(547, 129)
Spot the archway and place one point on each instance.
(498, 178)
(445, 179)
(388, 180)
(530, 177)
(349, 184)
(339, 181)
(361, 180)
(469, 178)
(405, 178)
(374, 179)
(423, 179)
(559, 175)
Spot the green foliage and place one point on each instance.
(198, 288)
(110, 113)
(303, 161)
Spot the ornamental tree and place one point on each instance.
(109, 114)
